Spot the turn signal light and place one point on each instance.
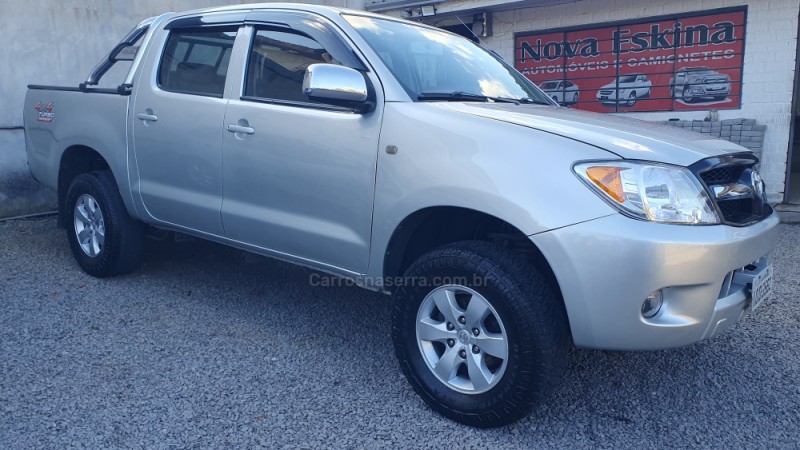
(608, 179)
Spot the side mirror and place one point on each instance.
(337, 85)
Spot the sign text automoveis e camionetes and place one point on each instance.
(690, 61)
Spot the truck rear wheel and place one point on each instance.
(104, 239)
(480, 334)
(632, 99)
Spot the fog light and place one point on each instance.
(652, 304)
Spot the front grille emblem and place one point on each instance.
(757, 183)
(732, 191)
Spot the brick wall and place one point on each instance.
(745, 132)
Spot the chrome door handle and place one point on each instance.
(147, 117)
(240, 129)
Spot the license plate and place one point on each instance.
(762, 287)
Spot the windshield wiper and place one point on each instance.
(459, 96)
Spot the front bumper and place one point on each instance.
(704, 91)
(606, 267)
(613, 97)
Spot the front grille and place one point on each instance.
(735, 188)
(723, 174)
(604, 92)
(737, 211)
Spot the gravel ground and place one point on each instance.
(207, 346)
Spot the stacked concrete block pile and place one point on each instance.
(745, 132)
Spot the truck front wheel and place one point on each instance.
(687, 96)
(104, 239)
(480, 334)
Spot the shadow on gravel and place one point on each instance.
(275, 297)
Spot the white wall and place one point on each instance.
(60, 41)
(769, 64)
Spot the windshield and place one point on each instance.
(427, 61)
(549, 85)
(628, 79)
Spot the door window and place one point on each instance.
(196, 61)
(277, 64)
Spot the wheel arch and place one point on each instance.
(432, 227)
(75, 160)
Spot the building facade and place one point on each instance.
(723, 67)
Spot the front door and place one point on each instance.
(298, 176)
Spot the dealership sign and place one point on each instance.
(678, 62)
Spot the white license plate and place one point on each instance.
(762, 287)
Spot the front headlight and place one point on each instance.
(650, 191)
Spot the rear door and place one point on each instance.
(300, 181)
(178, 113)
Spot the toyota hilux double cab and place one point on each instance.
(418, 164)
(694, 83)
(626, 90)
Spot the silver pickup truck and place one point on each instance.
(506, 228)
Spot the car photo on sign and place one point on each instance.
(625, 90)
(694, 84)
(563, 92)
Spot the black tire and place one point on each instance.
(720, 97)
(687, 98)
(122, 247)
(530, 309)
(632, 99)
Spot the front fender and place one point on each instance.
(449, 158)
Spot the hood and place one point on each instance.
(625, 137)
